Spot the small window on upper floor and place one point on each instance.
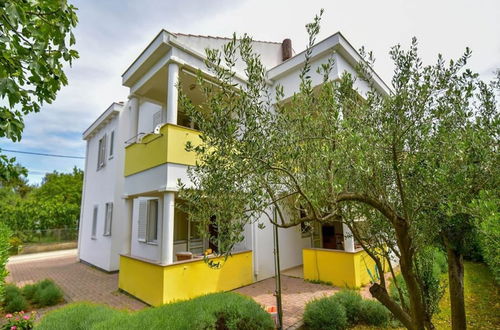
(101, 156)
(111, 144)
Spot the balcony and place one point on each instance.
(169, 146)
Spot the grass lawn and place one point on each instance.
(482, 300)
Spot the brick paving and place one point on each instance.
(78, 281)
(296, 293)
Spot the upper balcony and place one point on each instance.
(168, 146)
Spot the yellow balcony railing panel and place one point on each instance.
(341, 268)
(141, 279)
(160, 284)
(169, 146)
(192, 279)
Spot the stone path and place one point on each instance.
(295, 292)
(78, 281)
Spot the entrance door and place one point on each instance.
(328, 233)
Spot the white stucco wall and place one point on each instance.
(99, 189)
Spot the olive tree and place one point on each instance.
(399, 161)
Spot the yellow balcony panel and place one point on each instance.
(341, 268)
(169, 146)
(160, 284)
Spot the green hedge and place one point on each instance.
(78, 316)
(214, 311)
(345, 309)
(42, 294)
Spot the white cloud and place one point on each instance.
(111, 34)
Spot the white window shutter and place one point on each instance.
(142, 221)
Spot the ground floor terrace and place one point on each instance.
(167, 257)
(81, 282)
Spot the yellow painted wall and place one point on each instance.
(338, 267)
(189, 280)
(362, 262)
(142, 280)
(157, 285)
(157, 149)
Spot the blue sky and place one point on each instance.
(112, 33)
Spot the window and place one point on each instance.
(148, 221)
(94, 223)
(111, 144)
(108, 218)
(101, 153)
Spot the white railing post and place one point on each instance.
(348, 239)
(167, 234)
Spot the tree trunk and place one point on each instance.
(379, 293)
(406, 262)
(456, 282)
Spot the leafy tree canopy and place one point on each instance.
(35, 44)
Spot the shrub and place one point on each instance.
(325, 313)
(29, 291)
(214, 311)
(374, 313)
(351, 300)
(47, 293)
(4, 256)
(78, 316)
(10, 292)
(16, 304)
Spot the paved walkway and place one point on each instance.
(78, 281)
(295, 294)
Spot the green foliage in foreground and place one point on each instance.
(214, 311)
(4, 256)
(35, 46)
(344, 309)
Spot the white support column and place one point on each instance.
(167, 234)
(348, 239)
(133, 105)
(172, 93)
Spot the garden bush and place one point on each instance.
(351, 301)
(213, 311)
(41, 294)
(16, 304)
(78, 316)
(47, 293)
(326, 313)
(374, 313)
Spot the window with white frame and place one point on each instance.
(148, 220)
(111, 144)
(94, 223)
(101, 156)
(108, 219)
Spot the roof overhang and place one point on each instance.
(112, 111)
(335, 43)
